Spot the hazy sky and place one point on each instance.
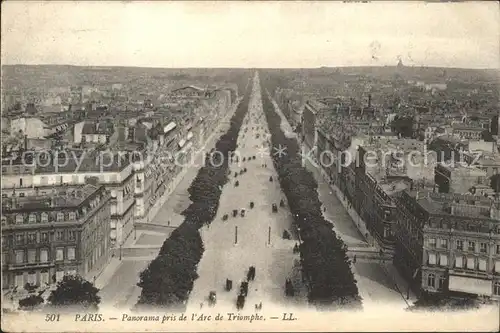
(251, 34)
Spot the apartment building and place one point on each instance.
(449, 243)
(45, 236)
(44, 171)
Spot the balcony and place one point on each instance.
(35, 265)
(469, 272)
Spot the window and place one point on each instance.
(71, 253)
(496, 288)
(44, 255)
(443, 260)
(460, 244)
(483, 247)
(4, 220)
(72, 216)
(431, 280)
(60, 217)
(471, 263)
(60, 235)
(31, 256)
(71, 235)
(19, 280)
(59, 254)
(44, 237)
(471, 246)
(45, 217)
(59, 275)
(441, 282)
(19, 218)
(432, 258)
(497, 266)
(432, 242)
(459, 262)
(444, 243)
(32, 218)
(44, 278)
(498, 249)
(20, 257)
(19, 239)
(482, 264)
(31, 238)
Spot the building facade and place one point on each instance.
(460, 240)
(47, 236)
(112, 170)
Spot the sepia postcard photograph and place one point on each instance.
(217, 166)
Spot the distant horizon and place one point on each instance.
(257, 68)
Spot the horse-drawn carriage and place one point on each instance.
(251, 273)
(229, 285)
(235, 212)
(275, 208)
(225, 217)
(289, 289)
(271, 178)
(240, 302)
(212, 298)
(236, 183)
(244, 288)
(242, 213)
(251, 204)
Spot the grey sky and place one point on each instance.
(251, 34)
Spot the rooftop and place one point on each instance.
(93, 162)
(63, 197)
(466, 205)
(391, 187)
(451, 139)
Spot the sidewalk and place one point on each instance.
(400, 281)
(107, 273)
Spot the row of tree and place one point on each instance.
(324, 255)
(169, 278)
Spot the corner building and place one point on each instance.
(45, 237)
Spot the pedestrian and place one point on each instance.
(354, 259)
(201, 305)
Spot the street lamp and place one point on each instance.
(121, 251)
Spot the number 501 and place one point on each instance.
(52, 317)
